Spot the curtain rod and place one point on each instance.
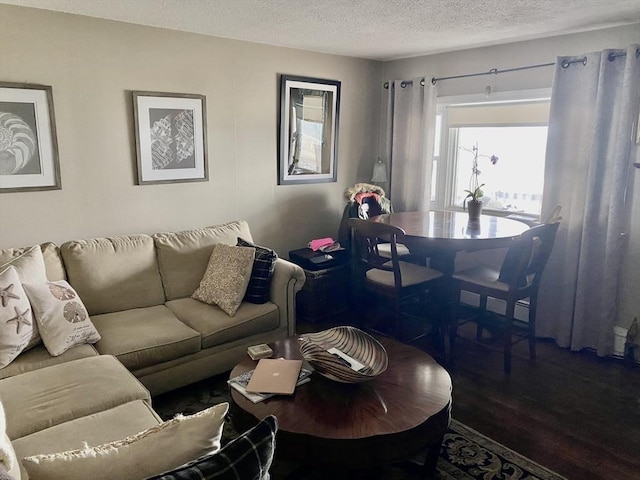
(494, 71)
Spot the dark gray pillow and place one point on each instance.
(247, 457)
(264, 264)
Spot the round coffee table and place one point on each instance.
(329, 425)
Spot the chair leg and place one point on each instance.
(396, 317)
(532, 326)
(483, 308)
(507, 335)
(452, 327)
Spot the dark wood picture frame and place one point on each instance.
(309, 121)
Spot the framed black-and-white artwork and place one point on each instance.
(171, 137)
(309, 114)
(28, 141)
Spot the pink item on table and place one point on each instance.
(318, 243)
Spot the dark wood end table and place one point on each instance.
(325, 292)
(332, 426)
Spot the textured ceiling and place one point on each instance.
(376, 29)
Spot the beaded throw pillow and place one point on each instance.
(225, 281)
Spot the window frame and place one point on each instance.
(447, 158)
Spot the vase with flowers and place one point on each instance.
(473, 200)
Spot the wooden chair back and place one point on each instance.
(526, 259)
(366, 237)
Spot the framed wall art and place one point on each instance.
(171, 139)
(28, 141)
(309, 114)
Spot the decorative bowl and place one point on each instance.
(354, 343)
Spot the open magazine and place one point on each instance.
(240, 383)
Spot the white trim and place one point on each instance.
(496, 97)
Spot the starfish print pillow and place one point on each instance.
(17, 326)
(62, 318)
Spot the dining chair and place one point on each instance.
(517, 280)
(391, 278)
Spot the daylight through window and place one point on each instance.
(512, 129)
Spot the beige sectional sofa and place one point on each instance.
(154, 337)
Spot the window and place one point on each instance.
(512, 127)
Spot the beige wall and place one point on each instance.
(93, 65)
(532, 53)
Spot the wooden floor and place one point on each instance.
(571, 412)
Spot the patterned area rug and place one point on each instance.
(466, 453)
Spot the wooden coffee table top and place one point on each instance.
(413, 390)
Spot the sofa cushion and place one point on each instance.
(17, 324)
(145, 336)
(50, 396)
(114, 274)
(39, 357)
(54, 268)
(63, 321)
(139, 456)
(217, 328)
(95, 429)
(183, 256)
(247, 457)
(264, 263)
(225, 281)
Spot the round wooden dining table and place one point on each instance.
(439, 234)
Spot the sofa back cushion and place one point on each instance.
(183, 256)
(114, 274)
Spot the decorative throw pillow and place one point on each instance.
(9, 464)
(264, 264)
(30, 266)
(62, 318)
(17, 325)
(225, 281)
(247, 457)
(158, 449)
(4, 475)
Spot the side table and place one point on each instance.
(326, 290)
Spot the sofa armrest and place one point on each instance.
(288, 278)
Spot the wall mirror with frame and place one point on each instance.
(309, 114)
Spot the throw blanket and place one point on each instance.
(365, 200)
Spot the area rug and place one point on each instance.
(466, 453)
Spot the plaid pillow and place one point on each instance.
(247, 457)
(264, 264)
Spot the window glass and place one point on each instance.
(512, 127)
(515, 183)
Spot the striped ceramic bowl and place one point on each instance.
(354, 344)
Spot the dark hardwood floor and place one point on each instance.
(572, 412)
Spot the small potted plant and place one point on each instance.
(474, 194)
